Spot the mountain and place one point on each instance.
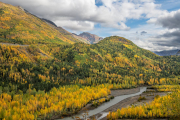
(32, 72)
(81, 38)
(112, 59)
(20, 26)
(87, 38)
(48, 21)
(47, 73)
(64, 32)
(52, 56)
(166, 52)
(73, 37)
(178, 53)
(91, 38)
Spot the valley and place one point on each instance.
(47, 72)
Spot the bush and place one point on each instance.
(141, 98)
(112, 97)
(6, 89)
(157, 96)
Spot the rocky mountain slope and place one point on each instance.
(91, 38)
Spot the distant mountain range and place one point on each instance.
(168, 52)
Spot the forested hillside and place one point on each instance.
(18, 26)
(113, 60)
(32, 73)
(54, 74)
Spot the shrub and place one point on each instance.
(141, 98)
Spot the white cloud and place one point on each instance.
(169, 20)
(150, 40)
(171, 36)
(76, 25)
(83, 14)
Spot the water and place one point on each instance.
(107, 105)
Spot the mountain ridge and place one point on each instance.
(92, 38)
(46, 73)
(18, 25)
(111, 57)
(166, 52)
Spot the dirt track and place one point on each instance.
(10, 44)
(14, 44)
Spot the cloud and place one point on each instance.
(112, 15)
(143, 32)
(143, 41)
(76, 25)
(157, 39)
(170, 37)
(167, 20)
(84, 14)
(170, 20)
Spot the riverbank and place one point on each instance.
(123, 98)
(149, 96)
(134, 101)
(114, 93)
(118, 97)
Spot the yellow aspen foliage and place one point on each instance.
(161, 107)
(57, 101)
(5, 18)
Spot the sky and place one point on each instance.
(151, 24)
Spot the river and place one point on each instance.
(107, 105)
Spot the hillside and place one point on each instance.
(114, 59)
(50, 60)
(50, 22)
(48, 73)
(54, 80)
(19, 26)
(71, 36)
(65, 33)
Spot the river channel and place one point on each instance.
(107, 105)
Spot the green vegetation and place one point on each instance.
(97, 103)
(17, 26)
(55, 67)
(114, 60)
(162, 107)
(141, 98)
